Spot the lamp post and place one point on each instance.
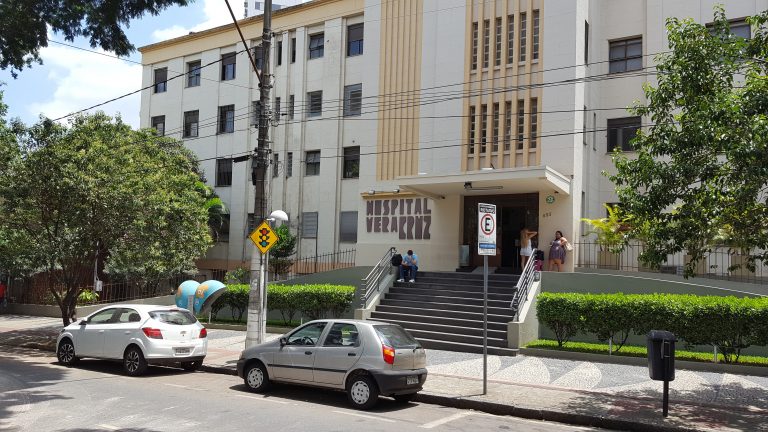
(257, 305)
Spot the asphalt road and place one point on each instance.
(36, 394)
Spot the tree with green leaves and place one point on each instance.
(280, 260)
(26, 25)
(96, 189)
(701, 169)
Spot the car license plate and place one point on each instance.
(180, 351)
(410, 380)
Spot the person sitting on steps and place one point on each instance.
(409, 267)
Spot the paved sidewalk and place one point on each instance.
(597, 394)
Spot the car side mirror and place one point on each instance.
(283, 341)
(83, 322)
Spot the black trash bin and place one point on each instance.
(661, 355)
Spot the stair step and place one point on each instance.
(461, 282)
(468, 276)
(467, 300)
(453, 307)
(476, 316)
(452, 329)
(456, 287)
(380, 315)
(413, 291)
(462, 347)
(460, 338)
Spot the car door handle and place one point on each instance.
(101, 331)
(308, 352)
(127, 332)
(351, 354)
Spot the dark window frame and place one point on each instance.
(349, 235)
(353, 100)
(191, 128)
(626, 62)
(351, 167)
(228, 66)
(354, 42)
(289, 165)
(316, 46)
(158, 120)
(621, 131)
(224, 167)
(315, 103)
(280, 53)
(194, 73)
(226, 124)
(312, 163)
(161, 80)
(309, 224)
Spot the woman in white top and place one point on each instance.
(525, 246)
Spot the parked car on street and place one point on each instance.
(138, 335)
(364, 358)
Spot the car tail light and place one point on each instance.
(389, 354)
(203, 333)
(152, 333)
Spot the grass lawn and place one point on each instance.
(639, 351)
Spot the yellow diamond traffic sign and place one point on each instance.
(263, 237)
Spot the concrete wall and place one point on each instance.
(81, 311)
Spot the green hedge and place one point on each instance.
(729, 323)
(312, 301)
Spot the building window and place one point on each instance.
(312, 161)
(621, 131)
(510, 39)
(507, 125)
(486, 42)
(535, 54)
(626, 55)
(191, 123)
(355, 40)
(275, 164)
(158, 123)
(351, 162)
(474, 46)
(523, 35)
(227, 119)
(291, 106)
(483, 128)
(279, 53)
(278, 112)
(520, 123)
(309, 225)
(316, 45)
(348, 227)
(224, 172)
(222, 233)
(315, 107)
(534, 122)
(353, 100)
(741, 29)
(495, 128)
(258, 57)
(228, 66)
(255, 113)
(161, 80)
(193, 74)
(289, 165)
(497, 58)
(586, 43)
(293, 50)
(472, 126)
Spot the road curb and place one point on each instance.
(546, 415)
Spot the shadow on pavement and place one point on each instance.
(116, 368)
(319, 396)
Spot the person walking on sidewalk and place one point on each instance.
(409, 267)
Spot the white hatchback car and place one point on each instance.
(138, 335)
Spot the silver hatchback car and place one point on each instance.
(364, 358)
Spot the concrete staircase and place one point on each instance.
(445, 310)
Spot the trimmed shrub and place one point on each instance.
(729, 323)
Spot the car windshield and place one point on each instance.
(173, 316)
(396, 337)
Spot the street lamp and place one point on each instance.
(261, 313)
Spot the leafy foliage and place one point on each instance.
(611, 230)
(25, 25)
(280, 260)
(239, 275)
(93, 186)
(729, 323)
(87, 297)
(699, 170)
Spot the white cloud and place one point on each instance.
(216, 14)
(83, 79)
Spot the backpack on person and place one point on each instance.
(396, 260)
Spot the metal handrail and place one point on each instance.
(527, 277)
(370, 284)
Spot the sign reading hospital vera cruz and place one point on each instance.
(486, 229)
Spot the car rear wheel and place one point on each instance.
(256, 378)
(66, 352)
(362, 392)
(191, 366)
(134, 363)
(404, 398)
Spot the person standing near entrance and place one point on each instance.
(557, 251)
(525, 246)
(409, 267)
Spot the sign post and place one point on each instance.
(486, 245)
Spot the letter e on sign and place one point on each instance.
(486, 229)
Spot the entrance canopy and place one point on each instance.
(488, 182)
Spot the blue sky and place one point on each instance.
(71, 79)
